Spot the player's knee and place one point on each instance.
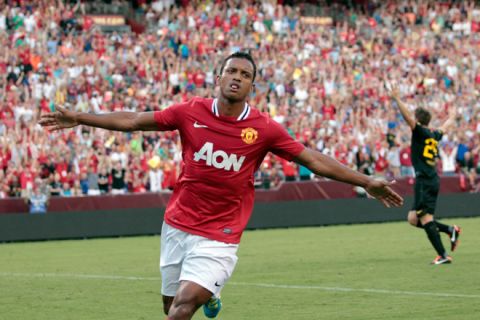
(182, 310)
(412, 218)
(184, 304)
(412, 222)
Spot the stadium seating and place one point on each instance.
(320, 74)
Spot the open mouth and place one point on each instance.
(234, 87)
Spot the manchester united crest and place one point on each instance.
(249, 135)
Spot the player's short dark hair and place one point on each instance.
(423, 116)
(240, 55)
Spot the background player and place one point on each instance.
(424, 147)
(224, 141)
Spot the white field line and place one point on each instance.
(244, 284)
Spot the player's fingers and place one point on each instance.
(392, 198)
(396, 200)
(48, 123)
(48, 116)
(399, 199)
(54, 128)
(44, 121)
(385, 203)
(382, 198)
(393, 195)
(394, 203)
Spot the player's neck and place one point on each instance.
(229, 108)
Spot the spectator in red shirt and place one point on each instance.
(63, 169)
(289, 170)
(328, 109)
(406, 167)
(26, 180)
(381, 165)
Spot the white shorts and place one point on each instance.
(188, 257)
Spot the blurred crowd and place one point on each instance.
(321, 78)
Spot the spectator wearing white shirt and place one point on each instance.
(448, 156)
(155, 175)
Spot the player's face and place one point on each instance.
(236, 80)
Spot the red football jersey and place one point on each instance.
(214, 194)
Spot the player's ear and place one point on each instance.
(252, 89)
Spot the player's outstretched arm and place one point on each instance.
(394, 93)
(326, 166)
(118, 121)
(450, 121)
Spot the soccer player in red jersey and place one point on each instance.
(224, 141)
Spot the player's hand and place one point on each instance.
(380, 189)
(60, 119)
(392, 89)
(452, 112)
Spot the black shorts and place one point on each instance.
(426, 193)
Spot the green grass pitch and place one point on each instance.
(371, 271)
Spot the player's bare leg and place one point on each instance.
(426, 219)
(190, 296)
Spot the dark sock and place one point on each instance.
(443, 227)
(434, 237)
(419, 224)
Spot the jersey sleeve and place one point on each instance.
(437, 135)
(282, 144)
(171, 117)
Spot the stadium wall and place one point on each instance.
(145, 221)
(292, 191)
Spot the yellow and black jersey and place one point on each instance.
(425, 150)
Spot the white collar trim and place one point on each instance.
(244, 115)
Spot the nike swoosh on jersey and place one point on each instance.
(197, 125)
